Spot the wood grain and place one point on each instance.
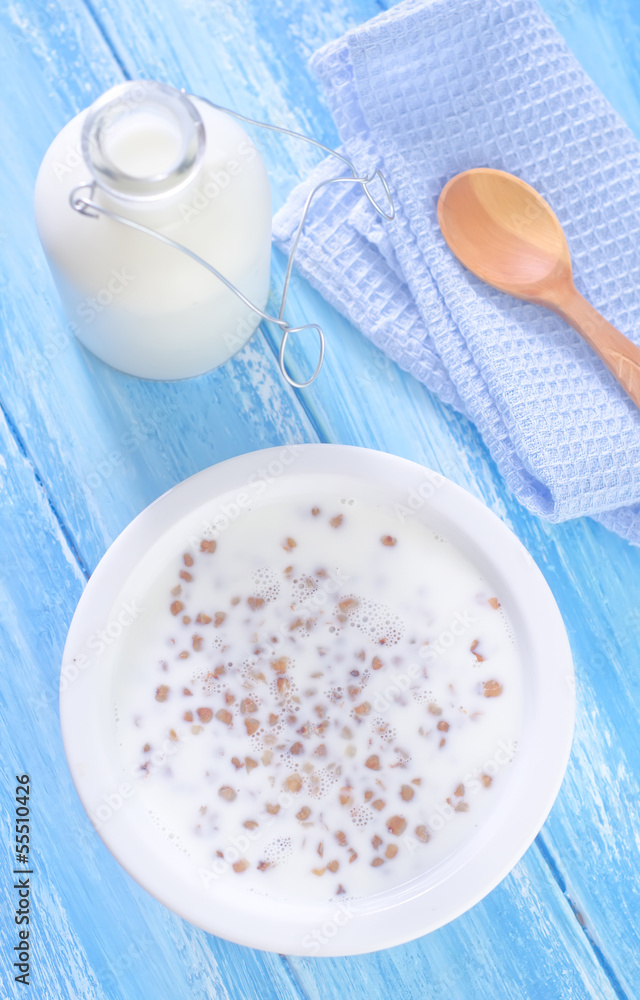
(84, 449)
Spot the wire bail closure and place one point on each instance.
(86, 205)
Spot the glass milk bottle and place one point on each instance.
(176, 165)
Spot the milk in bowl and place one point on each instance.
(320, 701)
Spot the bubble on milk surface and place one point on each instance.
(265, 584)
(508, 627)
(383, 729)
(361, 815)
(379, 622)
(323, 780)
(207, 681)
(422, 696)
(171, 835)
(278, 850)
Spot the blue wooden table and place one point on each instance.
(83, 449)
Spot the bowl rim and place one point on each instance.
(464, 878)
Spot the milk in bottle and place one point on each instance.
(174, 164)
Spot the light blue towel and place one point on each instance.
(427, 90)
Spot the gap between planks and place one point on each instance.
(600, 957)
(64, 529)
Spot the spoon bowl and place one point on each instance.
(503, 231)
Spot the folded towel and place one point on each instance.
(429, 89)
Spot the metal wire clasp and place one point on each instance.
(86, 205)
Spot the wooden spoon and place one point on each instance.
(503, 231)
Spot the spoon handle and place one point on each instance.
(619, 354)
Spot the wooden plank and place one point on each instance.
(96, 934)
(605, 38)
(485, 953)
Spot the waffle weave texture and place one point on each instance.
(425, 91)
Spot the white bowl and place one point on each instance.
(396, 915)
